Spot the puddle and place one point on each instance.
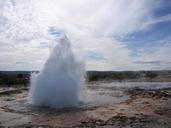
(17, 110)
(93, 95)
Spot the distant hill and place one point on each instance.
(23, 77)
(11, 78)
(16, 72)
(162, 75)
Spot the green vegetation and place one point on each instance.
(22, 78)
(12, 78)
(151, 75)
(162, 75)
(112, 75)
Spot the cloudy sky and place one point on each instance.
(111, 34)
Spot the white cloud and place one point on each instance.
(92, 23)
(156, 20)
(115, 55)
(162, 56)
(27, 56)
(29, 18)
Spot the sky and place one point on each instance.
(108, 34)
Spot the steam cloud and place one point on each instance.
(59, 83)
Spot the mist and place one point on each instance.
(59, 83)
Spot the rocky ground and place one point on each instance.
(144, 108)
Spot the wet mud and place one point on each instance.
(103, 106)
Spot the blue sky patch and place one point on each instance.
(55, 32)
(94, 56)
(44, 45)
(149, 40)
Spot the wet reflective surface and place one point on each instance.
(100, 100)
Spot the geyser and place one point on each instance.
(59, 83)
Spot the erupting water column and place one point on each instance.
(58, 84)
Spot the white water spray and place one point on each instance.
(58, 84)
